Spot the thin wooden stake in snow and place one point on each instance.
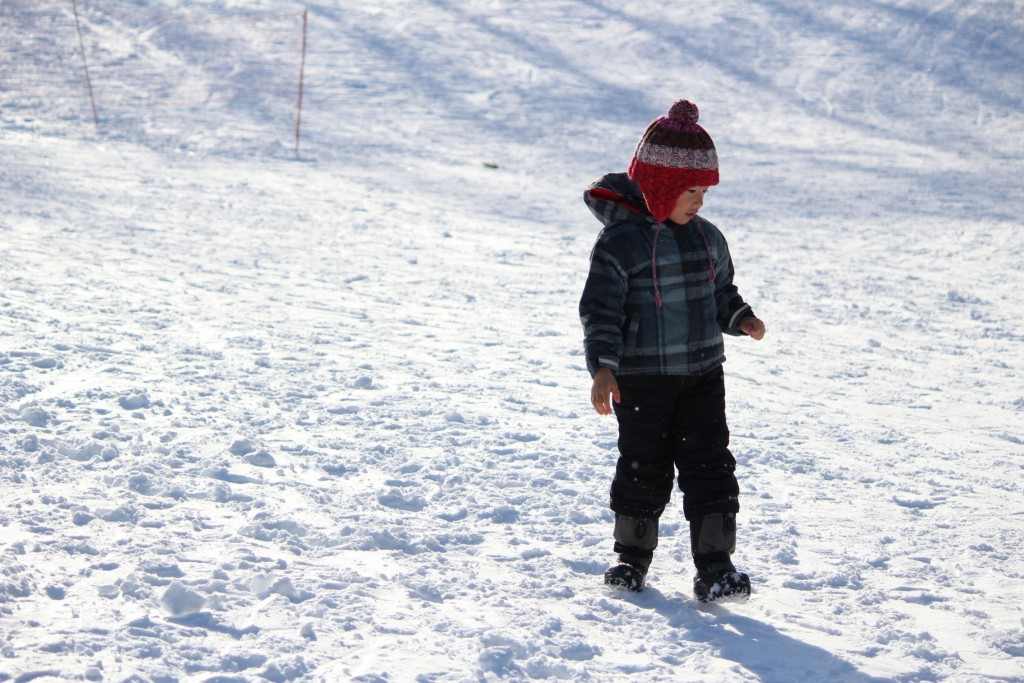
(88, 81)
(302, 73)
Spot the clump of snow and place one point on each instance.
(134, 401)
(179, 600)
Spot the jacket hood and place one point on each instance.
(614, 197)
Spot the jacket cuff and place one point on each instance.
(595, 363)
(738, 315)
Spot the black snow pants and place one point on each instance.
(670, 423)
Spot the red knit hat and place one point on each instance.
(674, 155)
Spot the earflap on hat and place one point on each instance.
(673, 155)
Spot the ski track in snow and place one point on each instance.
(325, 418)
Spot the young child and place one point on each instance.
(658, 298)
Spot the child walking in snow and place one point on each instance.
(657, 300)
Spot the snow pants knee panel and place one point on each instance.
(671, 423)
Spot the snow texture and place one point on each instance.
(324, 416)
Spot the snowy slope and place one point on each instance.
(267, 417)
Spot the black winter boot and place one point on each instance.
(712, 542)
(635, 541)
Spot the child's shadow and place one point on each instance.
(760, 648)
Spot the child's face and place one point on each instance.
(688, 205)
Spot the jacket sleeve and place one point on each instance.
(603, 309)
(731, 307)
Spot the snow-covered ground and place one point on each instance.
(325, 418)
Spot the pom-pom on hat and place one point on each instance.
(673, 155)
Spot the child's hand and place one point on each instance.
(753, 326)
(604, 384)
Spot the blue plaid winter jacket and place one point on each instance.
(655, 309)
